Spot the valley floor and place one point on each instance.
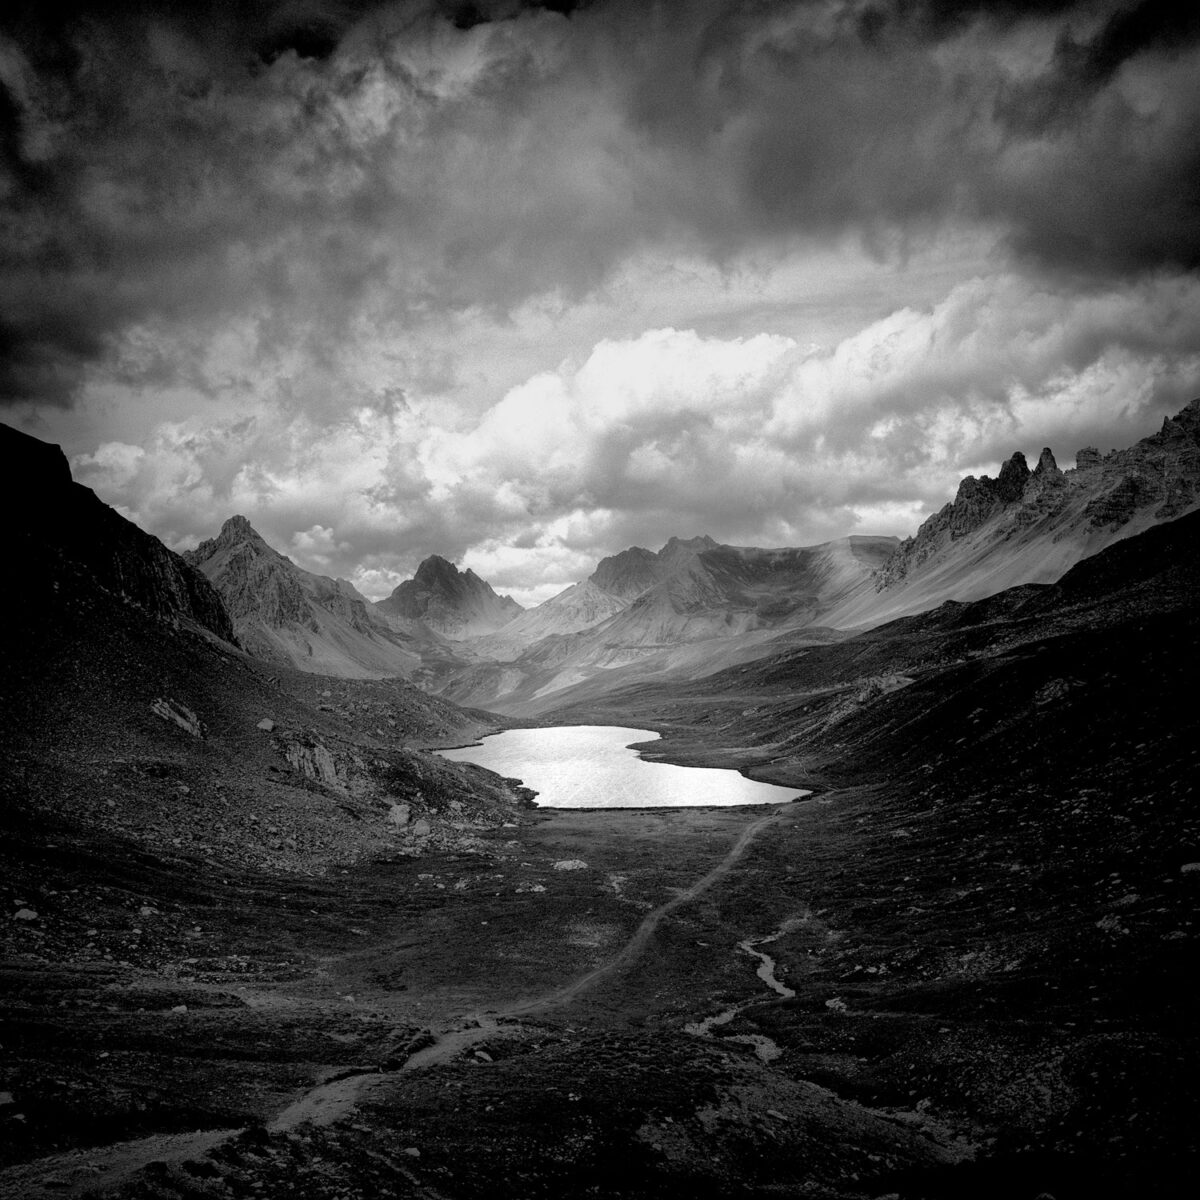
(511, 1021)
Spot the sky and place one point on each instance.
(523, 284)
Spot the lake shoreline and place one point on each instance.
(606, 766)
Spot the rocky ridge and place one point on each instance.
(1104, 498)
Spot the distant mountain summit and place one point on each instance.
(286, 614)
(455, 604)
(1031, 526)
(692, 607)
(617, 582)
(627, 575)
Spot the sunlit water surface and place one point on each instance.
(592, 766)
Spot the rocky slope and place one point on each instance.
(284, 614)
(1030, 526)
(452, 603)
(1005, 833)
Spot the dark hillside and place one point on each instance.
(994, 889)
(68, 546)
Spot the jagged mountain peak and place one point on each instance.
(1046, 463)
(456, 604)
(1014, 474)
(436, 567)
(236, 535)
(238, 529)
(284, 613)
(238, 526)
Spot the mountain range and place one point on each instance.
(695, 606)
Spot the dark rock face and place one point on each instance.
(1162, 470)
(1014, 474)
(455, 603)
(69, 544)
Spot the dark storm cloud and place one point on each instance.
(1159, 25)
(820, 127)
(173, 165)
(192, 165)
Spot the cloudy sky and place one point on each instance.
(525, 283)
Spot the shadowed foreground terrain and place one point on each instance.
(313, 960)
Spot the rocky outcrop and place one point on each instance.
(1160, 473)
(314, 760)
(455, 604)
(1046, 464)
(1014, 475)
(178, 714)
(70, 546)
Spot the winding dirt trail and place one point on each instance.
(644, 932)
(333, 1100)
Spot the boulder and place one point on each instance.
(398, 815)
(178, 714)
(314, 760)
(266, 725)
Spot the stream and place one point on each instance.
(766, 1050)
